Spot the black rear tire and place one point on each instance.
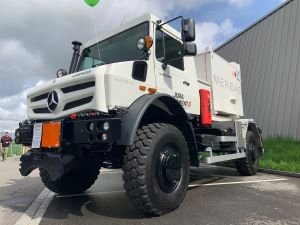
(73, 182)
(156, 169)
(249, 165)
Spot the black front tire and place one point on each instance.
(249, 166)
(156, 169)
(73, 182)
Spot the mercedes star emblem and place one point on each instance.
(52, 101)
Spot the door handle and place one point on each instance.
(186, 83)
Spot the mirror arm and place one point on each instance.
(184, 28)
(160, 25)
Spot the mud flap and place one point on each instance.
(55, 164)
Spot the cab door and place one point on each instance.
(172, 77)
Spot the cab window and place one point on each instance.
(168, 49)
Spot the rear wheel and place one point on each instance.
(249, 166)
(74, 181)
(156, 169)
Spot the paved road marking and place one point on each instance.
(191, 185)
(41, 211)
(36, 210)
(237, 182)
(89, 193)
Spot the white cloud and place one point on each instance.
(240, 3)
(191, 4)
(210, 34)
(13, 109)
(17, 64)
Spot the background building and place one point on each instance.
(269, 54)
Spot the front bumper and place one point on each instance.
(77, 132)
(74, 134)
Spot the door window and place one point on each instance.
(169, 50)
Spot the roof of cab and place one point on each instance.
(128, 25)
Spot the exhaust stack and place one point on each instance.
(76, 48)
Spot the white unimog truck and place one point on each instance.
(139, 98)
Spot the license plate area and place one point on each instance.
(46, 135)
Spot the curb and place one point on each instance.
(275, 172)
(281, 173)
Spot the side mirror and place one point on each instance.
(190, 49)
(188, 30)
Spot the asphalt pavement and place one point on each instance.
(16, 192)
(216, 196)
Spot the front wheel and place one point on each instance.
(156, 169)
(74, 181)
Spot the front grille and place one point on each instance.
(41, 110)
(40, 97)
(78, 103)
(69, 96)
(78, 87)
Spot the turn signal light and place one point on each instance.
(148, 42)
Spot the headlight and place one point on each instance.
(106, 126)
(141, 44)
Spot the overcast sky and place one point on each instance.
(35, 35)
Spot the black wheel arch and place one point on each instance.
(158, 108)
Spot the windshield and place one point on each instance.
(119, 48)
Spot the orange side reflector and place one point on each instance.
(143, 88)
(152, 90)
(51, 135)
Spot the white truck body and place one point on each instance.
(115, 88)
(225, 81)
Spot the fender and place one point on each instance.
(134, 115)
(242, 126)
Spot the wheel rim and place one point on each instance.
(169, 168)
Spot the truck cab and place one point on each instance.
(141, 99)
